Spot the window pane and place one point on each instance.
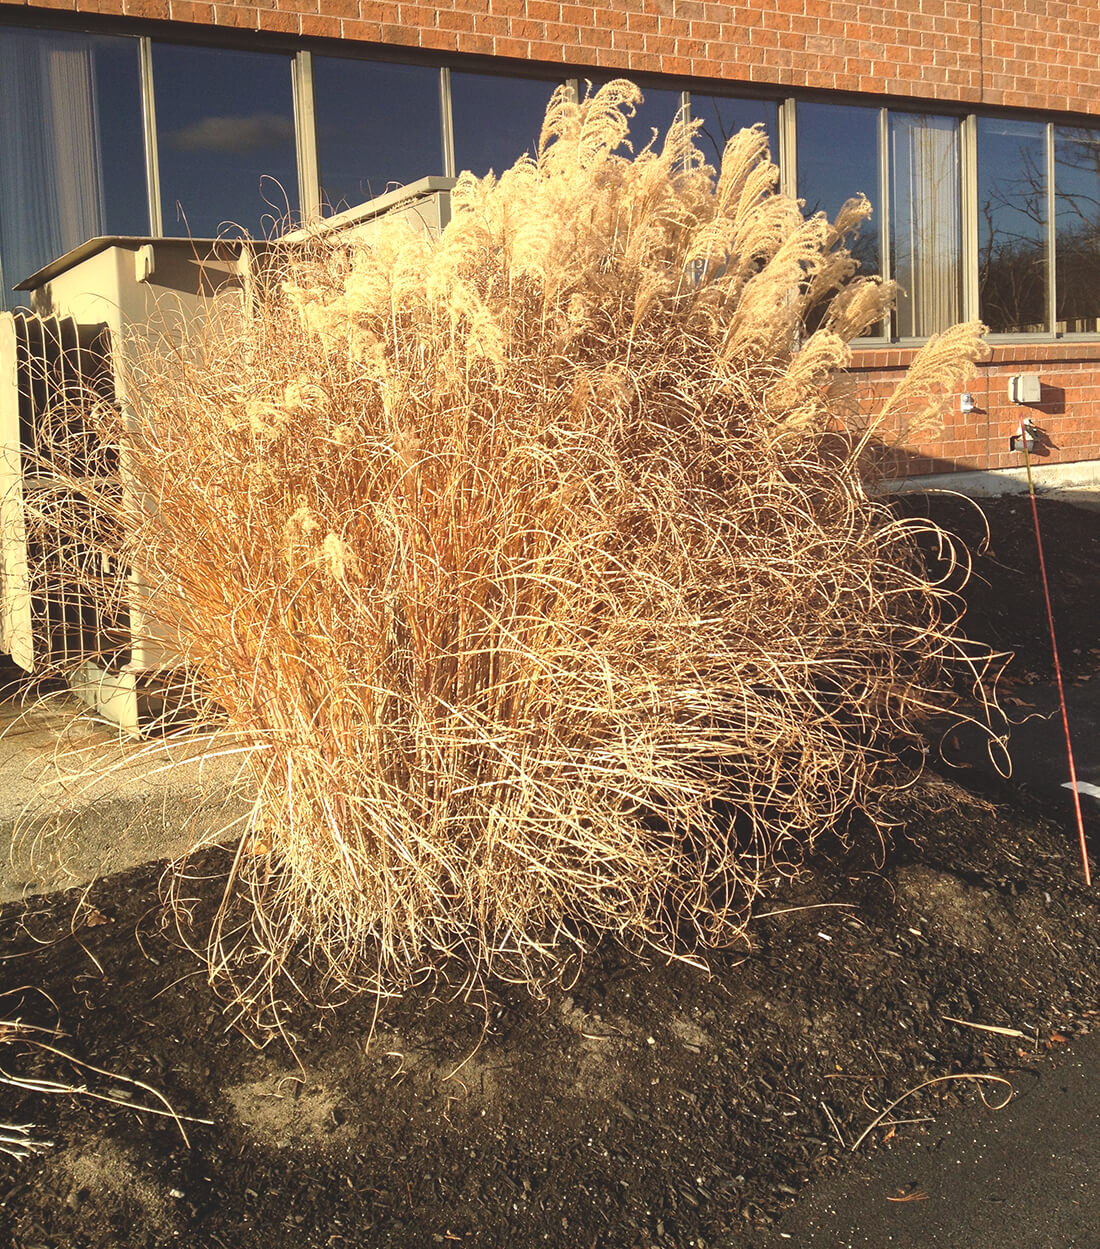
(72, 163)
(225, 137)
(837, 158)
(925, 225)
(657, 111)
(723, 116)
(496, 119)
(1012, 225)
(1077, 223)
(378, 126)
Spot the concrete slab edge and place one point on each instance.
(989, 483)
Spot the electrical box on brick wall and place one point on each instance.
(1024, 388)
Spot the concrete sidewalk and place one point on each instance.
(78, 802)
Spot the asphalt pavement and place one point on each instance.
(1023, 1177)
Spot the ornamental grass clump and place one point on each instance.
(532, 566)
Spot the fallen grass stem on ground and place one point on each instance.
(16, 1139)
(976, 1077)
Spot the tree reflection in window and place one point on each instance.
(1013, 268)
(723, 116)
(1077, 227)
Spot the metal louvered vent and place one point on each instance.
(66, 605)
(61, 603)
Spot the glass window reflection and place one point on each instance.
(496, 119)
(723, 116)
(1012, 225)
(225, 137)
(837, 158)
(1077, 226)
(378, 126)
(72, 163)
(656, 113)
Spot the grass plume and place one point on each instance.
(534, 566)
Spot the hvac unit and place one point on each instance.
(423, 205)
(64, 604)
(47, 611)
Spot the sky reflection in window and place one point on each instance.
(225, 131)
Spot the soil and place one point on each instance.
(639, 1104)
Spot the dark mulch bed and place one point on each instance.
(1004, 599)
(642, 1104)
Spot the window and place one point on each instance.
(72, 162)
(496, 119)
(838, 157)
(1013, 267)
(723, 116)
(378, 126)
(656, 112)
(925, 222)
(1077, 229)
(225, 139)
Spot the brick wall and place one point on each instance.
(1030, 53)
(1042, 54)
(1067, 415)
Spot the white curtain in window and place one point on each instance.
(925, 211)
(51, 189)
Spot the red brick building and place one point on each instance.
(973, 126)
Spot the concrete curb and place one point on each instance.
(77, 802)
(1083, 475)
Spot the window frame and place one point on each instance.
(302, 49)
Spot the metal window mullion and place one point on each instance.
(1052, 234)
(683, 115)
(149, 124)
(887, 260)
(446, 122)
(305, 137)
(968, 136)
